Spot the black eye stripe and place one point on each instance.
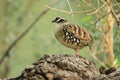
(61, 20)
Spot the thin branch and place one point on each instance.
(90, 5)
(118, 3)
(114, 14)
(6, 54)
(58, 10)
(98, 60)
(98, 2)
(118, 37)
(70, 6)
(103, 35)
(97, 9)
(70, 12)
(101, 18)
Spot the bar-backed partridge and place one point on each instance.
(72, 36)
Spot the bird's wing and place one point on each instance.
(78, 32)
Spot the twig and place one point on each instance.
(101, 18)
(70, 7)
(90, 5)
(97, 9)
(113, 13)
(118, 3)
(118, 37)
(98, 1)
(70, 12)
(6, 54)
(98, 60)
(104, 37)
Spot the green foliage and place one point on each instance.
(118, 31)
(86, 19)
(117, 61)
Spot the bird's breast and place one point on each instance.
(66, 38)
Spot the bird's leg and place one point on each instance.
(76, 52)
(90, 48)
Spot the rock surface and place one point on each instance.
(60, 67)
(64, 67)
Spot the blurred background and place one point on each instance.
(17, 15)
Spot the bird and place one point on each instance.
(71, 35)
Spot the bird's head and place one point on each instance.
(59, 20)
